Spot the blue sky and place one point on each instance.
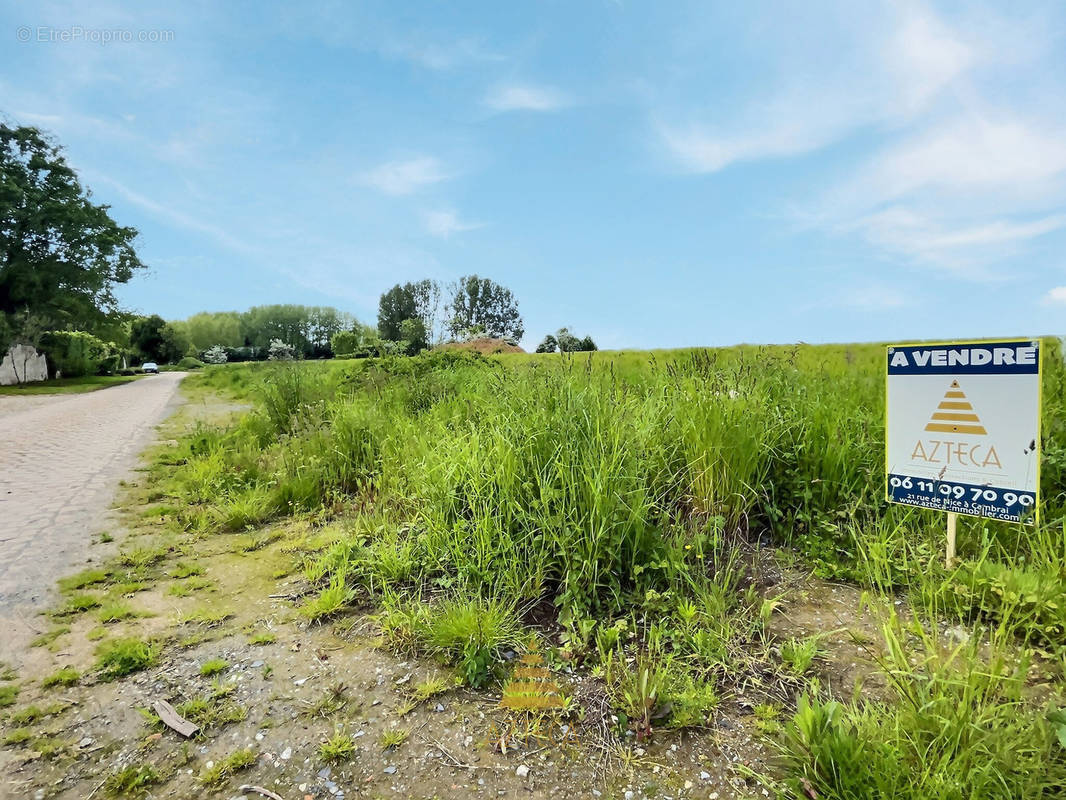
(654, 174)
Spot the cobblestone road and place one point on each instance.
(61, 459)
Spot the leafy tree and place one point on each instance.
(482, 302)
(147, 337)
(61, 255)
(569, 343)
(413, 336)
(307, 328)
(395, 305)
(344, 344)
(175, 343)
(322, 323)
(77, 353)
(549, 345)
(361, 341)
(209, 328)
(281, 351)
(216, 355)
(418, 301)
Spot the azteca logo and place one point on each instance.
(956, 416)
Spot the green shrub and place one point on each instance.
(77, 354)
(8, 693)
(223, 768)
(470, 634)
(213, 667)
(132, 781)
(190, 363)
(67, 676)
(341, 747)
(120, 657)
(957, 726)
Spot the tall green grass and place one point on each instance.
(627, 489)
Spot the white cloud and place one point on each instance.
(923, 56)
(438, 55)
(1056, 296)
(526, 98)
(700, 149)
(967, 154)
(444, 223)
(406, 176)
(910, 59)
(960, 247)
(963, 172)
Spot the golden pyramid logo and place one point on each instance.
(955, 414)
(531, 687)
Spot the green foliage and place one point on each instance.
(213, 710)
(115, 611)
(483, 305)
(412, 303)
(61, 255)
(30, 714)
(638, 692)
(80, 580)
(345, 344)
(548, 345)
(149, 337)
(799, 654)
(957, 727)
(67, 676)
(393, 737)
(188, 362)
(120, 657)
(470, 634)
(187, 569)
(50, 747)
(76, 353)
(47, 638)
(8, 693)
(208, 329)
(612, 490)
(569, 343)
(414, 336)
(132, 781)
(339, 747)
(79, 603)
(308, 329)
(327, 602)
(213, 667)
(18, 736)
(223, 768)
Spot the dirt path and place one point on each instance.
(61, 459)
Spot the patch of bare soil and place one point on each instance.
(485, 346)
(846, 622)
(285, 697)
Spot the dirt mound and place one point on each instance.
(485, 346)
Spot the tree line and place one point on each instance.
(62, 255)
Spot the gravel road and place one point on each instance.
(61, 459)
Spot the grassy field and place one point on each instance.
(624, 508)
(89, 383)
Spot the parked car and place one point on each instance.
(150, 366)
